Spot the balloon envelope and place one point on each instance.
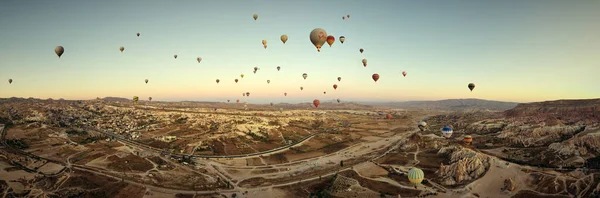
(330, 40)
(304, 76)
(415, 176)
(9, 81)
(342, 39)
(375, 77)
(335, 86)
(447, 131)
(339, 79)
(122, 48)
(361, 50)
(284, 38)
(318, 37)
(471, 86)
(255, 16)
(316, 103)
(404, 73)
(59, 50)
(199, 59)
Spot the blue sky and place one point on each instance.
(512, 50)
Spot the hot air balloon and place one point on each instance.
(318, 37)
(122, 49)
(255, 16)
(301, 88)
(304, 76)
(342, 39)
(227, 100)
(59, 50)
(255, 68)
(338, 100)
(218, 81)
(238, 100)
(135, 99)
(9, 81)
(422, 125)
(339, 79)
(248, 94)
(138, 34)
(285, 94)
(278, 68)
(271, 104)
(335, 86)
(242, 75)
(471, 86)
(343, 17)
(375, 77)
(254, 71)
(236, 80)
(175, 56)
(468, 139)
(361, 50)
(364, 61)
(330, 40)
(146, 81)
(324, 92)
(415, 176)
(199, 59)
(268, 81)
(150, 98)
(316, 103)
(347, 16)
(447, 131)
(404, 73)
(284, 38)
(264, 42)
(388, 116)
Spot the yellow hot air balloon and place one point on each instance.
(122, 49)
(242, 75)
(284, 38)
(264, 42)
(416, 176)
(255, 16)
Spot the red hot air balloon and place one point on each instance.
(375, 77)
(330, 40)
(404, 73)
(236, 80)
(227, 100)
(238, 100)
(388, 116)
(316, 103)
(335, 86)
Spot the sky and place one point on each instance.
(512, 50)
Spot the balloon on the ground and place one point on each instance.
(416, 176)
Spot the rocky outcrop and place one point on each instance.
(509, 184)
(465, 165)
(567, 111)
(533, 136)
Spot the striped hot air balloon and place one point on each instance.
(447, 131)
(416, 176)
(468, 139)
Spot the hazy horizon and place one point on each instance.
(514, 51)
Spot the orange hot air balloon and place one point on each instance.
(218, 81)
(236, 80)
(330, 40)
(238, 100)
(316, 103)
(227, 100)
(361, 50)
(404, 73)
(468, 139)
(375, 77)
(388, 116)
(335, 86)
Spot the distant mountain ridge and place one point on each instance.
(469, 104)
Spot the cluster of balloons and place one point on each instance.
(318, 37)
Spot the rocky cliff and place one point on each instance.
(565, 111)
